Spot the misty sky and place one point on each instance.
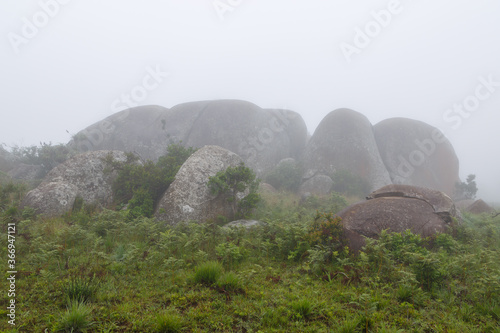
(435, 61)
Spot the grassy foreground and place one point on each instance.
(103, 272)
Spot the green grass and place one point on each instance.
(76, 318)
(208, 273)
(142, 276)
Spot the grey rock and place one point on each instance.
(262, 137)
(344, 140)
(480, 207)
(81, 176)
(398, 208)
(317, 185)
(418, 154)
(247, 224)
(52, 199)
(440, 202)
(188, 197)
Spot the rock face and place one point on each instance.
(344, 140)
(398, 208)
(81, 176)
(480, 207)
(247, 224)
(317, 185)
(416, 153)
(262, 137)
(188, 197)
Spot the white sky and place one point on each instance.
(274, 53)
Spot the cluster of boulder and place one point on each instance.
(392, 156)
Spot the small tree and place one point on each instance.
(232, 183)
(467, 190)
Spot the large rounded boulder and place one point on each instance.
(188, 197)
(398, 208)
(416, 153)
(262, 137)
(83, 176)
(344, 140)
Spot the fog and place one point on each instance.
(67, 64)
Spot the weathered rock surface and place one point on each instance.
(317, 185)
(416, 153)
(247, 224)
(480, 207)
(266, 188)
(398, 208)
(262, 137)
(81, 176)
(440, 202)
(52, 198)
(344, 140)
(188, 197)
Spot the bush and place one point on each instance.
(231, 183)
(346, 183)
(46, 155)
(208, 273)
(285, 176)
(142, 185)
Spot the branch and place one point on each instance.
(495, 215)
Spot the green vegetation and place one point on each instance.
(286, 176)
(46, 155)
(231, 183)
(105, 271)
(466, 190)
(346, 183)
(141, 185)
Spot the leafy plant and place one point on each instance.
(142, 184)
(466, 190)
(231, 184)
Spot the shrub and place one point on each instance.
(142, 185)
(285, 176)
(231, 183)
(46, 155)
(327, 230)
(208, 273)
(346, 183)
